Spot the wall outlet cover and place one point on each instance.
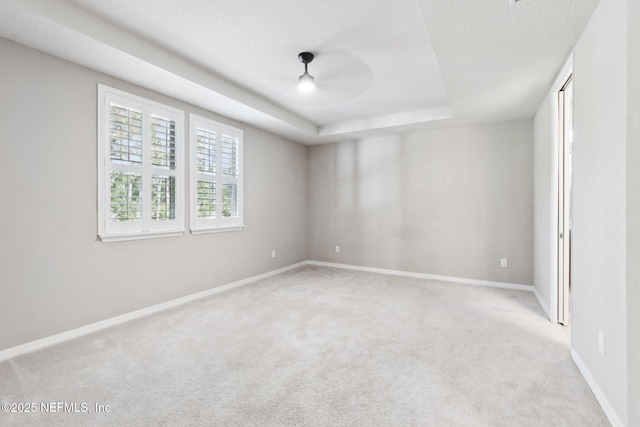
(601, 343)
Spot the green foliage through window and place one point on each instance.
(229, 200)
(206, 199)
(163, 198)
(125, 134)
(163, 143)
(126, 200)
(206, 151)
(229, 156)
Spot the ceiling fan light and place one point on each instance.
(306, 82)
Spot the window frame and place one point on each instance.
(218, 224)
(146, 228)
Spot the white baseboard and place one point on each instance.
(604, 403)
(544, 306)
(516, 286)
(94, 327)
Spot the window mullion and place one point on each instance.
(217, 176)
(162, 171)
(146, 169)
(112, 166)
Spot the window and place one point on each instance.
(140, 167)
(216, 176)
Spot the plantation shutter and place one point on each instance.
(140, 179)
(216, 177)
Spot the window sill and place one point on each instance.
(108, 238)
(217, 229)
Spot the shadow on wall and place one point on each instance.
(449, 202)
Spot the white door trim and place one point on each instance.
(558, 84)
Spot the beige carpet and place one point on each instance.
(317, 347)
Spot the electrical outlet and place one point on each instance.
(503, 262)
(601, 343)
(337, 248)
(273, 253)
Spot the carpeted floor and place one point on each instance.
(318, 347)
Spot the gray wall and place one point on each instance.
(599, 200)
(54, 275)
(543, 202)
(448, 202)
(633, 212)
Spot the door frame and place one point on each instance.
(559, 83)
(563, 265)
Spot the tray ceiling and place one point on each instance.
(380, 66)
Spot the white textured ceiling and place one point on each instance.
(380, 66)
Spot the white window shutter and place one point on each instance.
(216, 176)
(141, 167)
